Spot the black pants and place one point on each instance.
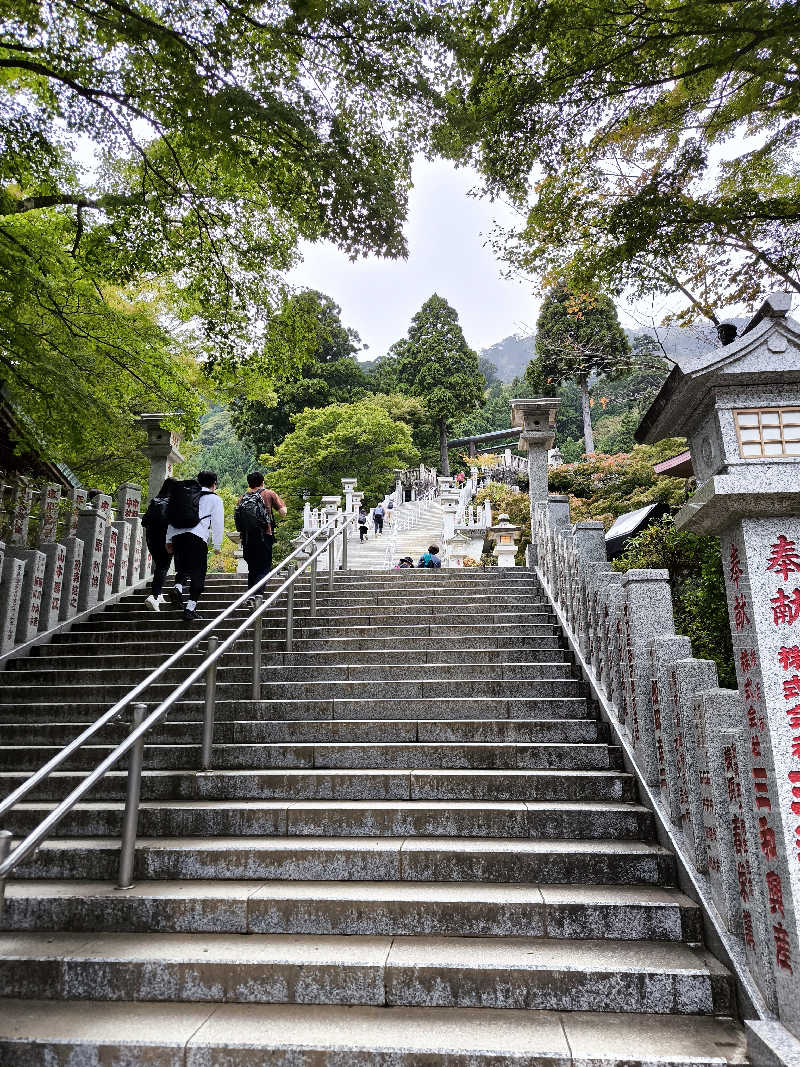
(191, 560)
(378, 520)
(362, 531)
(257, 551)
(162, 561)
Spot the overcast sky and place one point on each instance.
(446, 231)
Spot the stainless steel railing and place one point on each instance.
(142, 722)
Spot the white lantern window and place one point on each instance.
(768, 433)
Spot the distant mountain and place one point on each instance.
(512, 355)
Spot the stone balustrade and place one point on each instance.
(682, 731)
(64, 552)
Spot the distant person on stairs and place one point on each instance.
(362, 525)
(430, 558)
(155, 525)
(390, 513)
(377, 518)
(255, 520)
(195, 514)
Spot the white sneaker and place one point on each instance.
(152, 603)
(161, 598)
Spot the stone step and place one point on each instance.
(411, 859)
(344, 785)
(63, 658)
(478, 602)
(301, 710)
(35, 1032)
(440, 755)
(409, 689)
(170, 627)
(360, 731)
(451, 909)
(377, 636)
(509, 972)
(129, 676)
(528, 820)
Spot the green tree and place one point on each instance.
(338, 441)
(661, 136)
(217, 448)
(435, 362)
(306, 361)
(222, 135)
(578, 336)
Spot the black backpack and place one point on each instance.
(252, 515)
(155, 518)
(183, 506)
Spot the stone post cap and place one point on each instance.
(330, 503)
(645, 576)
(161, 443)
(348, 483)
(557, 498)
(537, 413)
(588, 525)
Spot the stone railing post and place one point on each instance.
(10, 600)
(51, 497)
(73, 566)
(92, 531)
(647, 613)
(21, 506)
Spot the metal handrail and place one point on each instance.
(34, 839)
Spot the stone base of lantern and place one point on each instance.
(506, 555)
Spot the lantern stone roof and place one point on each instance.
(766, 352)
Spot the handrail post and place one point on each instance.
(312, 603)
(210, 706)
(255, 691)
(344, 548)
(331, 562)
(289, 617)
(5, 848)
(131, 817)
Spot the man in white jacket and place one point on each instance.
(190, 545)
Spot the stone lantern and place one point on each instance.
(505, 536)
(459, 547)
(537, 421)
(449, 502)
(739, 407)
(161, 449)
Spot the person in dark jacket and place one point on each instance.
(155, 525)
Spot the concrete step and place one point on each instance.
(552, 756)
(393, 859)
(310, 784)
(528, 820)
(508, 972)
(55, 675)
(361, 731)
(409, 689)
(452, 909)
(63, 657)
(35, 1032)
(456, 707)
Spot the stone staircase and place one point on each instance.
(417, 848)
(381, 552)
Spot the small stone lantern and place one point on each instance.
(537, 421)
(505, 536)
(458, 548)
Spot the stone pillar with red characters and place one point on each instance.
(739, 406)
(92, 526)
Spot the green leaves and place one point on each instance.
(647, 144)
(338, 441)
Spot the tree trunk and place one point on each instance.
(588, 436)
(444, 459)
